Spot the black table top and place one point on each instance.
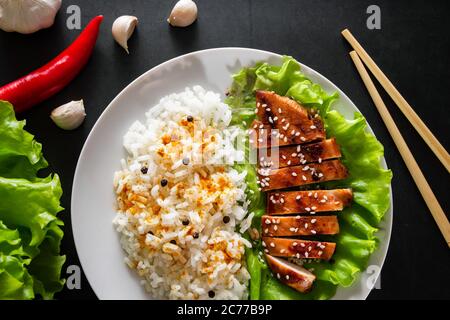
(412, 48)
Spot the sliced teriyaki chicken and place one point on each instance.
(291, 274)
(296, 248)
(262, 136)
(299, 225)
(271, 179)
(289, 202)
(294, 123)
(300, 154)
(268, 103)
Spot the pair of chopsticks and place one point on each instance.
(359, 55)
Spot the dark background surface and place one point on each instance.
(412, 48)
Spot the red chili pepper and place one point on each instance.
(55, 75)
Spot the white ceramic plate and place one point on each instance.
(93, 199)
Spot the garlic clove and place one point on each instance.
(183, 14)
(123, 28)
(69, 116)
(27, 16)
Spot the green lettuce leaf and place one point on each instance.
(15, 281)
(46, 266)
(20, 155)
(30, 232)
(255, 267)
(361, 155)
(30, 204)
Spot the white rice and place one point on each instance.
(173, 262)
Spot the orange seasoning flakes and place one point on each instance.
(207, 184)
(166, 139)
(220, 169)
(141, 240)
(214, 186)
(218, 246)
(161, 152)
(223, 183)
(181, 188)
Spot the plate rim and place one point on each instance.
(310, 70)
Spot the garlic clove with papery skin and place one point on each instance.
(69, 116)
(122, 29)
(27, 16)
(183, 14)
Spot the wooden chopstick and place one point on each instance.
(424, 188)
(402, 104)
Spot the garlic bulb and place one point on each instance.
(183, 14)
(69, 116)
(27, 16)
(122, 30)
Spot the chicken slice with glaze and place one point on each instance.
(290, 202)
(297, 248)
(301, 175)
(295, 124)
(299, 225)
(291, 274)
